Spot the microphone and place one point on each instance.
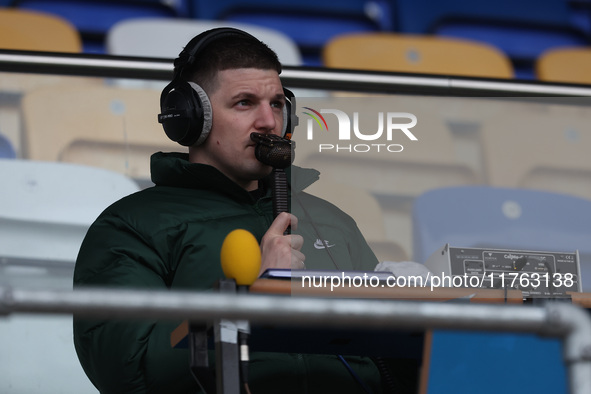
(241, 257)
(277, 152)
(241, 260)
(274, 151)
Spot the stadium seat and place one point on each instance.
(506, 218)
(106, 127)
(45, 211)
(42, 355)
(567, 65)
(502, 218)
(427, 163)
(166, 37)
(538, 144)
(416, 54)
(47, 207)
(580, 11)
(6, 148)
(522, 29)
(309, 23)
(31, 31)
(93, 18)
(37, 31)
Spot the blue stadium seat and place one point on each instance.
(480, 216)
(93, 18)
(309, 23)
(523, 29)
(580, 14)
(6, 149)
(502, 218)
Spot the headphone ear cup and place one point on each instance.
(186, 113)
(290, 119)
(206, 113)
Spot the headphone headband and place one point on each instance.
(189, 54)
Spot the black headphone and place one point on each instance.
(186, 112)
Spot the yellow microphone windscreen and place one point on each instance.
(241, 257)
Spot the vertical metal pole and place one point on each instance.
(226, 349)
(579, 377)
(576, 342)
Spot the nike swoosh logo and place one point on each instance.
(319, 244)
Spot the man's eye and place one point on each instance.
(277, 104)
(243, 103)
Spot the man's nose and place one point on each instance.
(266, 120)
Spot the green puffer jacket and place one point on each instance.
(169, 237)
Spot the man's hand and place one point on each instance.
(282, 251)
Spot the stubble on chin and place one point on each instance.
(251, 172)
(260, 170)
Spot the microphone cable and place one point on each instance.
(355, 375)
(244, 359)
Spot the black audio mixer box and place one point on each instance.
(535, 273)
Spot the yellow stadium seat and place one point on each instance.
(35, 31)
(416, 54)
(568, 65)
(543, 146)
(101, 126)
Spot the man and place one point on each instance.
(169, 236)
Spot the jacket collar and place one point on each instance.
(174, 169)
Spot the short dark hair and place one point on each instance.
(227, 53)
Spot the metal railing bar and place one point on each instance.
(562, 320)
(305, 77)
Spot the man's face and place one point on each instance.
(244, 101)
